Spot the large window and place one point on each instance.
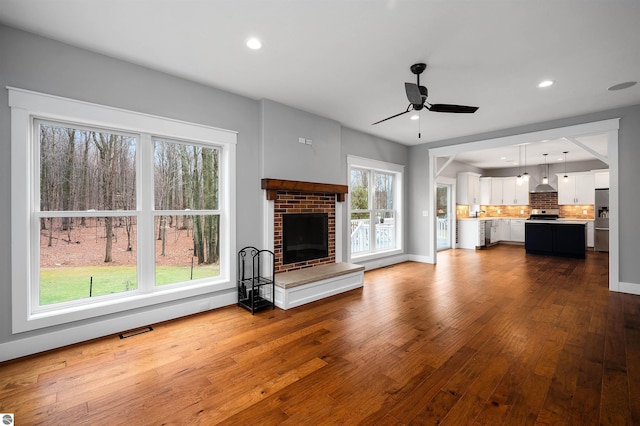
(374, 207)
(114, 210)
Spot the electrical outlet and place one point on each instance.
(302, 140)
(309, 142)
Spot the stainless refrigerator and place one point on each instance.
(601, 224)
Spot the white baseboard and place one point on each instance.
(421, 259)
(630, 288)
(383, 262)
(71, 335)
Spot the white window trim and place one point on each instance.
(381, 166)
(27, 105)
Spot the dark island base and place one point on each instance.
(556, 239)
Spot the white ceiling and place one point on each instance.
(533, 154)
(348, 59)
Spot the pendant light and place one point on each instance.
(519, 178)
(525, 175)
(565, 178)
(545, 179)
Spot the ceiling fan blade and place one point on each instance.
(413, 93)
(461, 109)
(393, 116)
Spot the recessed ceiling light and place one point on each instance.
(415, 117)
(545, 83)
(621, 86)
(254, 44)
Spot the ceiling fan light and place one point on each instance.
(254, 44)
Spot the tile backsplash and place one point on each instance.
(537, 200)
(543, 200)
(578, 212)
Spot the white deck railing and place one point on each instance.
(385, 234)
(443, 228)
(361, 233)
(442, 233)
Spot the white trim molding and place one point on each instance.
(27, 106)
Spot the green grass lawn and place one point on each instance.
(66, 284)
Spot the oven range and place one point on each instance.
(544, 214)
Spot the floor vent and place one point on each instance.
(135, 332)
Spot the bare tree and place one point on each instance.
(67, 184)
(106, 148)
(210, 195)
(84, 176)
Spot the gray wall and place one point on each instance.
(267, 133)
(35, 63)
(368, 146)
(418, 202)
(285, 158)
(629, 176)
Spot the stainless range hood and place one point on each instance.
(544, 187)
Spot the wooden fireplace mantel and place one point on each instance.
(272, 186)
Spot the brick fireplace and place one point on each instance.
(303, 197)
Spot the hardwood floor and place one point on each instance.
(489, 337)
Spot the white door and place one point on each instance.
(444, 212)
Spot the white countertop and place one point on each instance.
(492, 218)
(561, 221)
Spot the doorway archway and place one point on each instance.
(609, 127)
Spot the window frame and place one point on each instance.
(28, 106)
(372, 166)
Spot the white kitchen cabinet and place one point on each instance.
(485, 191)
(470, 233)
(590, 234)
(503, 191)
(601, 178)
(508, 191)
(468, 188)
(578, 189)
(517, 230)
(495, 234)
(504, 229)
(496, 191)
(522, 193)
(514, 194)
(585, 189)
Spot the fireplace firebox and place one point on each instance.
(305, 236)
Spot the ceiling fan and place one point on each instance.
(417, 96)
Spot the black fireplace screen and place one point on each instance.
(305, 236)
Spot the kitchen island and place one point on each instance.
(566, 238)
